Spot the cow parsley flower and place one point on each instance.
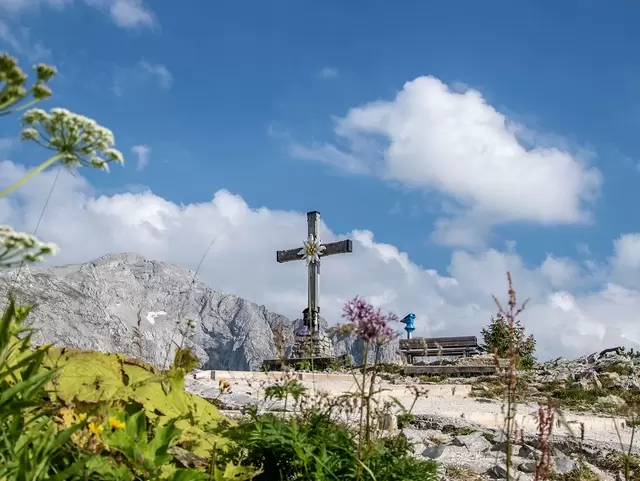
(79, 140)
(367, 322)
(13, 85)
(76, 139)
(19, 247)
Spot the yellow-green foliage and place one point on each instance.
(87, 380)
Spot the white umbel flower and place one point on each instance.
(312, 249)
(19, 247)
(78, 140)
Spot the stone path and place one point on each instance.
(451, 401)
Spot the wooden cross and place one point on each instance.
(322, 250)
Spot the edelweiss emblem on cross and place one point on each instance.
(312, 249)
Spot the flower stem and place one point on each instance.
(34, 172)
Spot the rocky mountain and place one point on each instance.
(125, 303)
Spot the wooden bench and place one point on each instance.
(439, 346)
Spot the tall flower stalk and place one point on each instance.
(516, 346)
(371, 326)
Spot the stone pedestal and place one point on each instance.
(311, 345)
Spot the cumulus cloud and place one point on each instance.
(452, 141)
(141, 74)
(566, 321)
(125, 13)
(142, 153)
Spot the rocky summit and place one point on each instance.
(127, 304)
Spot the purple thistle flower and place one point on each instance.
(369, 323)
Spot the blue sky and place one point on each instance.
(247, 96)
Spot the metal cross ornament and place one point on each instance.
(313, 250)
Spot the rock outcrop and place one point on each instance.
(127, 304)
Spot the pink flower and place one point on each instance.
(369, 323)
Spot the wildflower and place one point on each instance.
(96, 428)
(15, 84)
(224, 385)
(78, 140)
(115, 423)
(19, 247)
(82, 417)
(369, 324)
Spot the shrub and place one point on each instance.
(496, 337)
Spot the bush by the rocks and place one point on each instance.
(497, 338)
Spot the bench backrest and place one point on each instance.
(446, 343)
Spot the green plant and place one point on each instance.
(621, 368)
(489, 437)
(315, 447)
(31, 446)
(499, 335)
(144, 448)
(284, 390)
(462, 473)
(580, 473)
(405, 419)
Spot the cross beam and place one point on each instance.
(340, 247)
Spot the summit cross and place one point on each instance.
(312, 251)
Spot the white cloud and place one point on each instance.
(160, 72)
(454, 142)
(142, 152)
(130, 13)
(125, 13)
(329, 73)
(20, 43)
(626, 259)
(566, 321)
(140, 74)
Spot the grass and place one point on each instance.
(621, 368)
(435, 379)
(462, 473)
(489, 437)
(580, 473)
(457, 430)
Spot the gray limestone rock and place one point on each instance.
(474, 441)
(125, 303)
(434, 452)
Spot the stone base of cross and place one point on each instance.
(312, 251)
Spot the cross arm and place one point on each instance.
(340, 247)
(288, 255)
